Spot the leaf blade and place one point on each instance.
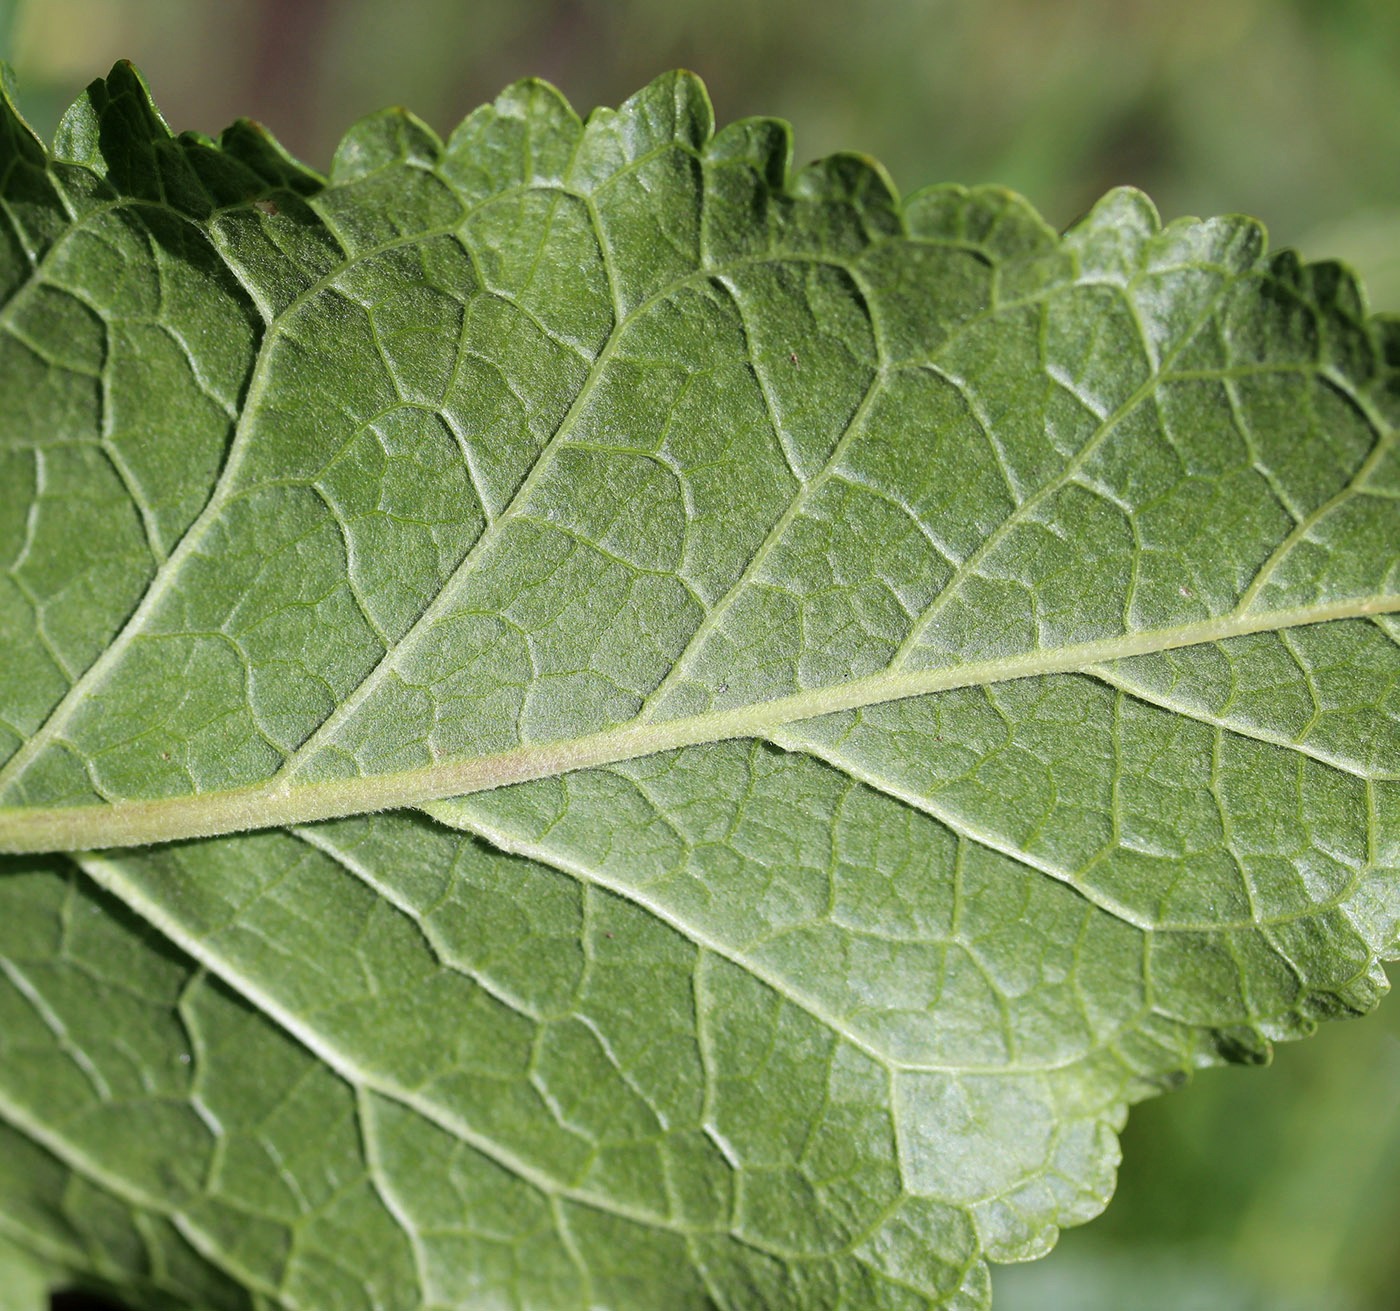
(889, 687)
(300, 726)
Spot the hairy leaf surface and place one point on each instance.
(586, 721)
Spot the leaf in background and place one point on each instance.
(947, 674)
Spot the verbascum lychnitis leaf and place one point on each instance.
(587, 721)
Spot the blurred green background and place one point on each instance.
(1248, 1191)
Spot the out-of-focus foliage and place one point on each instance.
(1289, 109)
(1279, 1192)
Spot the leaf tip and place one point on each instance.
(675, 104)
(391, 136)
(994, 218)
(764, 144)
(854, 179)
(1122, 209)
(252, 144)
(671, 111)
(121, 98)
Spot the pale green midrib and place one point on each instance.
(168, 568)
(270, 805)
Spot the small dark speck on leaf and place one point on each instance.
(165, 755)
(792, 359)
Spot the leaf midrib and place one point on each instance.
(167, 571)
(277, 803)
(280, 800)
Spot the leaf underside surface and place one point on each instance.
(590, 722)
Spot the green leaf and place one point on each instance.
(947, 675)
(24, 1279)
